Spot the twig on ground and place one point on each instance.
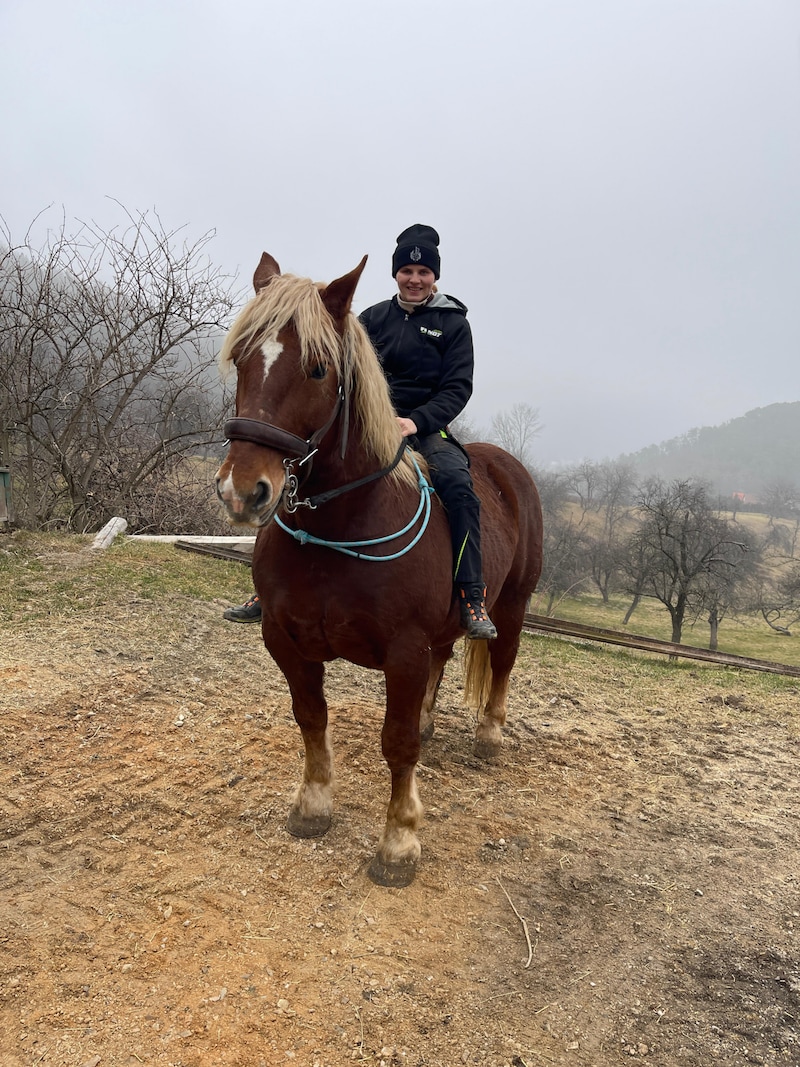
(524, 924)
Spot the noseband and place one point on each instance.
(257, 432)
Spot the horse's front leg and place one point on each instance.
(310, 813)
(399, 849)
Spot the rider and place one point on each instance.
(424, 344)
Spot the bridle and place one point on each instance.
(301, 455)
(302, 451)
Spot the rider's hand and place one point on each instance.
(407, 427)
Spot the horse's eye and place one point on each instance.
(319, 371)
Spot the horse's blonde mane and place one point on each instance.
(288, 298)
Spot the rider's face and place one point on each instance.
(415, 283)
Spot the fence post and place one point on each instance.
(6, 511)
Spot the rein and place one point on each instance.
(313, 502)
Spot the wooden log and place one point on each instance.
(113, 528)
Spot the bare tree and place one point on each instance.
(776, 595)
(465, 431)
(781, 500)
(633, 565)
(562, 570)
(726, 590)
(605, 488)
(553, 493)
(108, 342)
(514, 430)
(585, 480)
(778, 598)
(599, 556)
(563, 565)
(616, 486)
(681, 543)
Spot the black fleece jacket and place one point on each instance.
(426, 356)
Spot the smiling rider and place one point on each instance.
(424, 344)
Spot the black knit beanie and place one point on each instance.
(418, 245)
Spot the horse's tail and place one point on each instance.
(477, 674)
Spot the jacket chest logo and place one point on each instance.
(430, 333)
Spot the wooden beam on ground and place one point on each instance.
(238, 549)
(564, 628)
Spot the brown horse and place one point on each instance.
(360, 568)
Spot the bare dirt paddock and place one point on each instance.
(621, 886)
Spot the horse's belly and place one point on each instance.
(369, 636)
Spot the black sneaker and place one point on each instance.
(248, 612)
(474, 617)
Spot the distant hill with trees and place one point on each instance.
(747, 455)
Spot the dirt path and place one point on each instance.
(621, 886)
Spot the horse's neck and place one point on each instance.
(331, 472)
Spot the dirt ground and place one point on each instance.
(620, 886)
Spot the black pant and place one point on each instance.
(450, 477)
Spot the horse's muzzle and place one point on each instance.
(255, 507)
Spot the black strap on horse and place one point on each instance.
(331, 494)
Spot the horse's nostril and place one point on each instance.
(261, 495)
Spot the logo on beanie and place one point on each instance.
(415, 255)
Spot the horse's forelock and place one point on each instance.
(287, 299)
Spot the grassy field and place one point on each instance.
(150, 570)
(746, 636)
(128, 570)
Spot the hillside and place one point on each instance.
(745, 455)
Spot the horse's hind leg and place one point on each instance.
(398, 849)
(502, 654)
(439, 658)
(310, 813)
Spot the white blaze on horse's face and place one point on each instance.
(270, 350)
(237, 482)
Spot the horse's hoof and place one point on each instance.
(426, 734)
(393, 875)
(315, 826)
(486, 749)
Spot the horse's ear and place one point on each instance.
(338, 296)
(266, 270)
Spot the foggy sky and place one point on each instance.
(615, 182)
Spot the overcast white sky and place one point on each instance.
(616, 183)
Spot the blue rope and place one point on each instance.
(348, 547)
